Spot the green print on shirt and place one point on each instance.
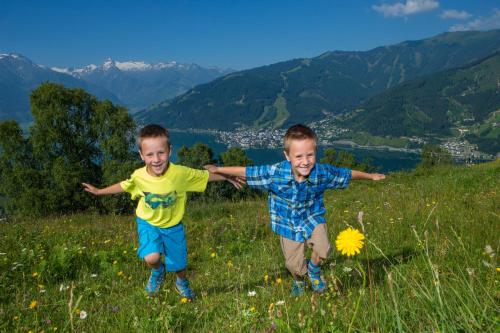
(164, 200)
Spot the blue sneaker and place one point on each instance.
(314, 273)
(297, 288)
(155, 280)
(182, 286)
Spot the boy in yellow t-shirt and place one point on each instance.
(161, 187)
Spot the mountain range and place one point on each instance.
(131, 84)
(309, 89)
(19, 75)
(464, 100)
(139, 85)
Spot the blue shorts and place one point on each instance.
(169, 241)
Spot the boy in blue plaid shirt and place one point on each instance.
(295, 196)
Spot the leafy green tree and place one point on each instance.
(196, 157)
(433, 156)
(344, 159)
(74, 138)
(235, 157)
(20, 182)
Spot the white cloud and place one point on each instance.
(455, 14)
(409, 7)
(481, 23)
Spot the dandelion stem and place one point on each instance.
(358, 301)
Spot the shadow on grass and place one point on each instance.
(250, 284)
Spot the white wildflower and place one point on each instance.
(83, 314)
(252, 293)
(280, 303)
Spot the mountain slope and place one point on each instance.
(462, 98)
(305, 90)
(139, 84)
(19, 75)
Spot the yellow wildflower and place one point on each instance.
(33, 305)
(115, 262)
(184, 300)
(498, 269)
(213, 254)
(229, 264)
(35, 274)
(107, 241)
(252, 309)
(349, 242)
(120, 273)
(278, 281)
(266, 278)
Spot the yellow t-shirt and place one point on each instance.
(163, 199)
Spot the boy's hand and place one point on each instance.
(90, 188)
(236, 181)
(378, 176)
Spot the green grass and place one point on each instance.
(425, 264)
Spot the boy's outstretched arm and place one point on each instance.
(235, 171)
(359, 175)
(112, 189)
(237, 182)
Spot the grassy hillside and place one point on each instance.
(430, 264)
(465, 98)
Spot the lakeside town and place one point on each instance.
(460, 149)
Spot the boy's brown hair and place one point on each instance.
(153, 131)
(298, 132)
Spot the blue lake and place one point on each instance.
(385, 160)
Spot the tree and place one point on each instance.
(433, 156)
(20, 182)
(74, 138)
(235, 157)
(344, 159)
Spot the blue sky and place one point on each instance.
(233, 33)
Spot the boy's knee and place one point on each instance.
(152, 259)
(323, 251)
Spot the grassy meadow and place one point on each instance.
(429, 265)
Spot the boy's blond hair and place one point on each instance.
(298, 132)
(153, 131)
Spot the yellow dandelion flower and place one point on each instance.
(252, 309)
(184, 300)
(35, 274)
(33, 305)
(316, 282)
(229, 264)
(213, 254)
(498, 269)
(120, 273)
(349, 242)
(278, 281)
(266, 278)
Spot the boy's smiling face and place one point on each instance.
(302, 156)
(155, 153)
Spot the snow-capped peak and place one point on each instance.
(108, 64)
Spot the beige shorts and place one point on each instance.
(294, 252)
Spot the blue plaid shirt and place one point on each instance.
(296, 208)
